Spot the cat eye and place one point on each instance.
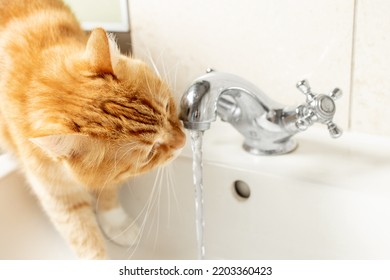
(167, 107)
(151, 153)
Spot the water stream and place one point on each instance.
(197, 171)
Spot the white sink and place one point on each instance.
(329, 199)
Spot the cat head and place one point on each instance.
(106, 116)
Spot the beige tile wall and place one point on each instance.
(371, 72)
(274, 44)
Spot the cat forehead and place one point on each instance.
(139, 75)
(154, 96)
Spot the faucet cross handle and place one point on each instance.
(318, 108)
(304, 87)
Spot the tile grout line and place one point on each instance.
(352, 66)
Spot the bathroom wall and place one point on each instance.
(370, 106)
(274, 44)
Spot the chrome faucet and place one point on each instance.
(266, 125)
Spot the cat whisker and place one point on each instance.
(113, 170)
(148, 83)
(170, 76)
(152, 218)
(150, 57)
(145, 212)
(174, 83)
(157, 184)
(164, 69)
(171, 185)
(152, 208)
(138, 162)
(162, 72)
(167, 168)
(158, 207)
(163, 178)
(159, 61)
(132, 146)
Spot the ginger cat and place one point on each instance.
(81, 118)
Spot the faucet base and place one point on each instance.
(274, 149)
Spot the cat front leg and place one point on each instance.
(116, 224)
(71, 210)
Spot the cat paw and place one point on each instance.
(119, 227)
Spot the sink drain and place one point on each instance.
(242, 189)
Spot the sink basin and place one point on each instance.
(329, 199)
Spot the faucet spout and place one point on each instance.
(194, 113)
(199, 104)
(266, 125)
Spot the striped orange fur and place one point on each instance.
(81, 117)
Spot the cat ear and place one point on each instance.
(115, 53)
(58, 146)
(102, 52)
